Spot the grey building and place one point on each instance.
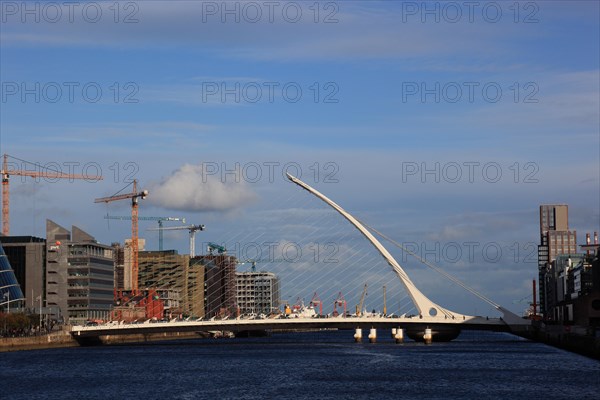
(79, 274)
(257, 292)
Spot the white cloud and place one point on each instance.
(191, 188)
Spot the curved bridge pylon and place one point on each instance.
(427, 308)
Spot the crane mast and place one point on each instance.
(192, 228)
(134, 196)
(360, 305)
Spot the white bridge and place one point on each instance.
(432, 319)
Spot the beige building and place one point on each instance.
(169, 270)
(128, 262)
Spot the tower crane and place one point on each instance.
(158, 219)
(49, 173)
(253, 262)
(214, 246)
(360, 305)
(192, 228)
(134, 196)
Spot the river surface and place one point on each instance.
(314, 365)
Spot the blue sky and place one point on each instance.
(367, 126)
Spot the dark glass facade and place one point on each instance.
(10, 291)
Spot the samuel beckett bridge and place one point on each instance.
(431, 322)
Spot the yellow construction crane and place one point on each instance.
(49, 173)
(134, 195)
(361, 304)
(384, 305)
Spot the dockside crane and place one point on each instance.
(339, 301)
(134, 196)
(192, 228)
(361, 304)
(384, 305)
(49, 173)
(316, 301)
(160, 221)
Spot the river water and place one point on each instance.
(314, 365)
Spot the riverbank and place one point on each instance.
(580, 340)
(64, 339)
(53, 340)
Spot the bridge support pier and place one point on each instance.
(393, 333)
(399, 335)
(427, 336)
(358, 335)
(373, 335)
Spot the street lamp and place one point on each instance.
(40, 327)
(5, 295)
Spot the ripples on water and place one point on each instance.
(316, 365)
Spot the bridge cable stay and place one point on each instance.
(423, 303)
(419, 299)
(435, 268)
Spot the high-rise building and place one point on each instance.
(27, 256)
(79, 274)
(257, 292)
(555, 239)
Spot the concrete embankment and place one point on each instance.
(64, 339)
(571, 338)
(54, 340)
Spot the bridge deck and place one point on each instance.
(236, 325)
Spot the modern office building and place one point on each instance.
(257, 292)
(79, 275)
(555, 239)
(27, 256)
(11, 294)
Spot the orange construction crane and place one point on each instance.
(49, 173)
(134, 195)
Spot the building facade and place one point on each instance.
(11, 294)
(167, 270)
(79, 275)
(555, 239)
(27, 256)
(219, 284)
(128, 261)
(257, 292)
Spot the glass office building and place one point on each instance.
(11, 295)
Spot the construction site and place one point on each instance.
(78, 280)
